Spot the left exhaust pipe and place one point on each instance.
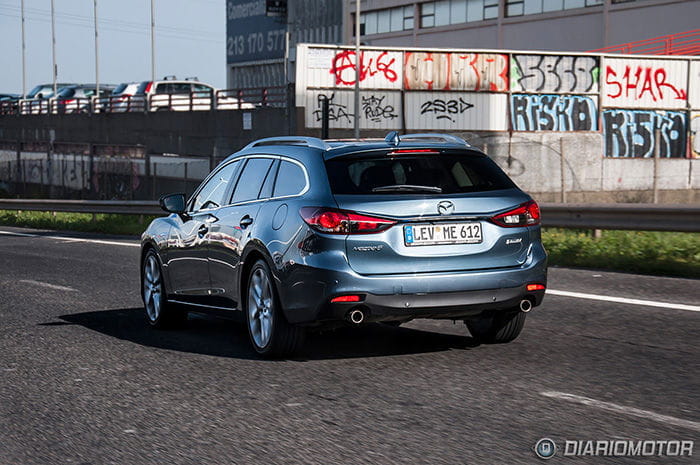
(525, 305)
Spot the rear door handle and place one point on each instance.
(246, 221)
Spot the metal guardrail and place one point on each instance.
(224, 99)
(629, 216)
(131, 207)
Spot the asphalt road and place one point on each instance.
(83, 380)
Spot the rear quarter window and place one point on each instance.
(451, 173)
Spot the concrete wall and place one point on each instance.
(203, 133)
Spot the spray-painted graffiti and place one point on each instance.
(456, 71)
(694, 83)
(645, 83)
(632, 133)
(378, 109)
(382, 66)
(445, 109)
(375, 109)
(336, 111)
(532, 112)
(554, 73)
(695, 134)
(456, 111)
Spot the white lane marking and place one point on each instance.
(635, 412)
(624, 300)
(17, 234)
(49, 285)
(71, 239)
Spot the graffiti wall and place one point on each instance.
(633, 133)
(456, 71)
(554, 73)
(695, 134)
(638, 83)
(553, 112)
(379, 109)
(457, 111)
(631, 101)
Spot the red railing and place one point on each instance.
(682, 43)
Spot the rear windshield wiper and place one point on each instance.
(407, 188)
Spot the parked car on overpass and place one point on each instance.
(37, 100)
(122, 98)
(79, 98)
(293, 233)
(171, 94)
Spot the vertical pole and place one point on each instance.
(562, 174)
(97, 61)
(325, 117)
(358, 70)
(155, 177)
(24, 59)
(184, 183)
(657, 154)
(153, 41)
(53, 48)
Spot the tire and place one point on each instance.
(270, 333)
(159, 312)
(497, 329)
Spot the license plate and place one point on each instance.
(442, 234)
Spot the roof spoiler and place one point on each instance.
(394, 139)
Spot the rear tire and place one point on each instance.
(500, 328)
(159, 312)
(270, 333)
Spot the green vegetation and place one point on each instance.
(648, 252)
(102, 223)
(661, 253)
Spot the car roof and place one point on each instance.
(300, 145)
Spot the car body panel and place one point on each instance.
(396, 281)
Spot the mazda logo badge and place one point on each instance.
(446, 207)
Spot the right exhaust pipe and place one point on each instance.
(525, 305)
(356, 316)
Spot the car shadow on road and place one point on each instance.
(219, 337)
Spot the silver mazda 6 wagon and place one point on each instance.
(293, 233)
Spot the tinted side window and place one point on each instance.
(266, 191)
(251, 179)
(290, 180)
(213, 193)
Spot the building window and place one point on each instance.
(444, 12)
(529, 7)
(390, 20)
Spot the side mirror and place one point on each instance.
(173, 203)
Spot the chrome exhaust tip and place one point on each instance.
(525, 305)
(356, 316)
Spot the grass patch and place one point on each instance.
(647, 252)
(84, 222)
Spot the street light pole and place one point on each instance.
(358, 70)
(53, 47)
(97, 61)
(153, 41)
(24, 61)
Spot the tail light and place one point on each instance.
(527, 214)
(334, 221)
(148, 87)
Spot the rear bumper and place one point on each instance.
(306, 292)
(457, 305)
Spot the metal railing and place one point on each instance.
(628, 216)
(682, 43)
(226, 99)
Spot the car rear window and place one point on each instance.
(415, 173)
(119, 89)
